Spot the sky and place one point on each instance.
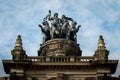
(96, 17)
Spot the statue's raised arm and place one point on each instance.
(78, 28)
(48, 16)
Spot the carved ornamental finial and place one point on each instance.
(101, 53)
(18, 53)
(101, 44)
(18, 42)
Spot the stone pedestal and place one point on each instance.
(59, 47)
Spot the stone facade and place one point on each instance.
(57, 61)
(4, 78)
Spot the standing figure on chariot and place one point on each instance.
(55, 25)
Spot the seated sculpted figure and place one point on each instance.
(45, 30)
(73, 31)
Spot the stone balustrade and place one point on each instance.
(59, 59)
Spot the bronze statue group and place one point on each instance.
(60, 27)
